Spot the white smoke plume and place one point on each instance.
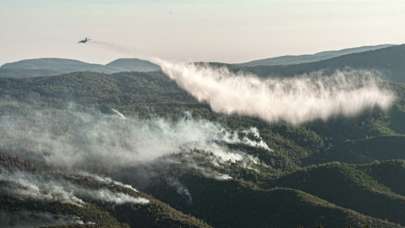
(294, 100)
(46, 188)
(72, 138)
(250, 137)
(110, 196)
(34, 187)
(181, 189)
(107, 180)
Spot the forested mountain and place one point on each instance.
(55, 66)
(133, 149)
(297, 59)
(389, 61)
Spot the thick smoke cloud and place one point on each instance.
(72, 138)
(294, 100)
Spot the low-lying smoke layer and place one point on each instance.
(47, 188)
(26, 185)
(293, 100)
(82, 139)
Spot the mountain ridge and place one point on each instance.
(307, 58)
(55, 66)
(390, 62)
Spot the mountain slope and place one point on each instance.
(29, 192)
(143, 93)
(297, 59)
(242, 205)
(264, 194)
(55, 66)
(48, 66)
(388, 173)
(390, 61)
(366, 150)
(349, 187)
(92, 87)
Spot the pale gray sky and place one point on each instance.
(194, 30)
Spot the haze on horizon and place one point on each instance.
(198, 30)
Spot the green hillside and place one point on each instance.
(276, 175)
(242, 205)
(297, 59)
(388, 173)
(349, 187)
(367, 150)
(390, 61)
(30, 68)
(96, 212)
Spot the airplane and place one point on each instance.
(84, 41)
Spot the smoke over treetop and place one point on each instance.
(82, 139)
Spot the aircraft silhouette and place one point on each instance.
(84, 41)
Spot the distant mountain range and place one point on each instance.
(278, 65)
(389, 61)
(297, 59)
(55, 66)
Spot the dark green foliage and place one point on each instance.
(53, 66)
(88, 213)
(102, 214)
(233, 204)
(368, 150)
(296, 59)
(388, 60)
(291, 187)
(390, 173)
(349, 187)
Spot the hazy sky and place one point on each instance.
(218, 30)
